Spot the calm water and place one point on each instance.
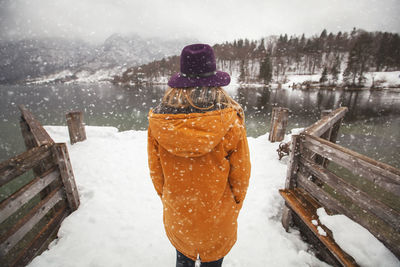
(372, 125)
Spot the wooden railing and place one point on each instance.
(345, 182)
(41, 193)
(380, 218)
(327, 127)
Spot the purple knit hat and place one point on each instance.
(198, 69)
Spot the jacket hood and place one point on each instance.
(194, 134)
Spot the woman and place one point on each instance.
(199, 159)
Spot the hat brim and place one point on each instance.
(220, 78)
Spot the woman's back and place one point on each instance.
(200, 169)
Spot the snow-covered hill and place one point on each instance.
(63, 60)
(293, 76)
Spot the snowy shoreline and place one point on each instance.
(119, 222)
(373, 80)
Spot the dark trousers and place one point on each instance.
(183, 261)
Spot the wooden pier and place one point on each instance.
(44, 193)
(323, 174)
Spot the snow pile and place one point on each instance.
(100, 75)
(63, 75)
(349, 235)
(82, 76)
(299, 79)
(383, 79)
(119, 222)
(321, 231)
(378, 79)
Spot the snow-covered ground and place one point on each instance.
(83, 76)
(389, 79)
(119, 221)
(380, 79)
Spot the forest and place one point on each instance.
(270, 59)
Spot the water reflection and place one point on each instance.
(373, 115)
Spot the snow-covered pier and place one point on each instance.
(119, 220)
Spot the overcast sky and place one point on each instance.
(206, 20)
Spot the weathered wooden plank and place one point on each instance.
(330, 134)
(292, 165)
(286, 218)
(279, 120)
(326, 112)
(26, 193)
(305, 197)
(377, 172)
(76, 128)
(40, 136)
(36, 246)
(335, 131)
(307, 217)
(60, 152)
(326, 122)
(327, 136)
(22, 163)
(27, 135)
(31, 143)
(318, 248)
(389, 239)
(357, 196)
(23, 226)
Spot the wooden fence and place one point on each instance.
(42, 192)
(322, 173)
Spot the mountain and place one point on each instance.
(55, 59)
(20, 60)
(118, 50)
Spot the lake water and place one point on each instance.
(371, 127)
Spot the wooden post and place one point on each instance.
(279, 119)
(330, 135)
(35, 135)
(32, 131)
(76, 128)
(287, 218)
(61, 156)
(293, 162)
(29, 144)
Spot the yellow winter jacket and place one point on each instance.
(200, 167)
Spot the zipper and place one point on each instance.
(198, 261)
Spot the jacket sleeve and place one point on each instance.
(239, 174)
(155, 167)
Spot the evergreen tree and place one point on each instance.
(396, 51)
(261, 49)
(359, 58)
(346, 76)
(242, 76)
(324, 76)
(266, 70)
(383, 51)
(323, 34)
(335, 71)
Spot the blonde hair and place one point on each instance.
(202, 98)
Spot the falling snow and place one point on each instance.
(120, 217)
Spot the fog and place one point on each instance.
(206, 20)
